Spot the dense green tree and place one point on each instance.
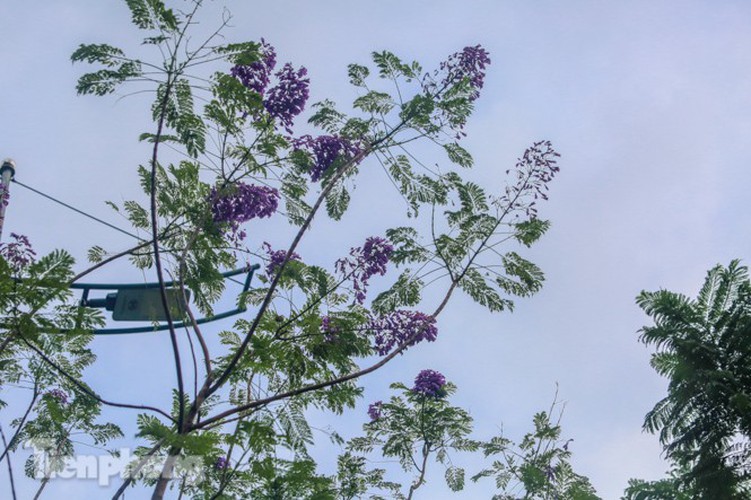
(703, 348)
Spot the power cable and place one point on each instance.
(76, 210)
(88, 215)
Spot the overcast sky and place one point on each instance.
(648, 103)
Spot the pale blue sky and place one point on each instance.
(647, 102)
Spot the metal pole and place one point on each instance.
(7, 171)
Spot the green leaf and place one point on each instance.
(390, 66)
(357, 74)
(101, 53)
(458, 155)
(472, 197)
(152, 138)
(105, 81)
(152, 14)
(231, 92)
(244, 54)
(140, 13)
(528, 232)
(404, 293)
(474, 284)
(294, 188)
(530, 277)
(455, 478)
(137, 215)
(418, 111)
(416, 188)
(297, 210)
(174, 104)
(375, 102)
(189, 126)
(96, 254)
(326, 116)
(406, 246)
(337, 201)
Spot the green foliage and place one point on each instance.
(530, 231)
(419, 430)
(118, 68)
(390, 66)
(378, 103)
(413, 428)
(405, 292)
(243, 403)
(476, 286)
(152, 14)
(670, 488)
(702, 347)
(417, 188)
(354, 479)
(243, 53)
(357, 74)
(458, 155)
(174, 105)
(538, 467)
(523, 278)
(337, 201)
(407, 247)
(36, 305)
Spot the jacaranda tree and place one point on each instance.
(312, 328)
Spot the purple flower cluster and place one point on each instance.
(256, 75)
(429, 383)
(395, 328)
(242, 202)
(58, 395)
(276, 258)
(325, 149)
(470, 63)
(374, 410)
(221, 463)
(329, 331)
(18, 254)
(534, 170)
(364, 262)
(287, 98)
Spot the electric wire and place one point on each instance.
(76, 210)
(88, 215)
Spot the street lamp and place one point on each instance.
(143, 302)
(7, 172)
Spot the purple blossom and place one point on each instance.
(221, 463)
(326, 149)
(429, 383)
(256, 75)
(241, 202)
(395, 328)
(276, 258)
(470, 63)
(57, 395)
(287, 98)
(534, 170)
(329, 331)
(374, 410)
(364, 262)
(467, 68)
(18, 254)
